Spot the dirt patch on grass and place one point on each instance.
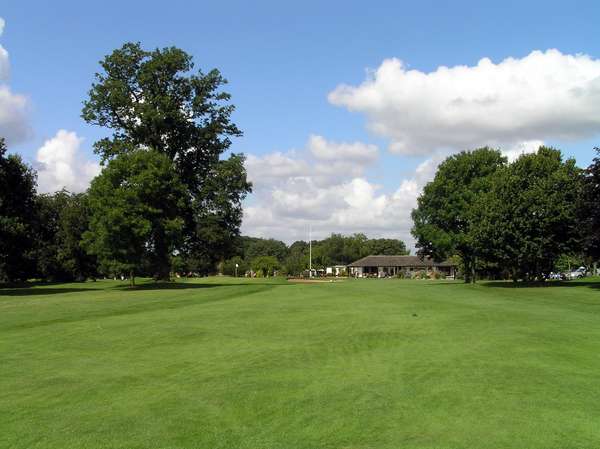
(314, 281)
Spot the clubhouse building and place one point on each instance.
(383, 266)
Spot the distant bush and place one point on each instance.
(265, 266)
(228, 267)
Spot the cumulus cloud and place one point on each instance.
(544, 95)
(323, 161)
(298, 189)
(513, 152)
(4, 68)
(356, 205)
(274, 166)
(14, 124)
(61, 165)
(341, 151)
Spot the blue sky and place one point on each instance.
(283, 59)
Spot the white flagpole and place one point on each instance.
(309, 251)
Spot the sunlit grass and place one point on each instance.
(262, 363)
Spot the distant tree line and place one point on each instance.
(520, 220)
(265, 256)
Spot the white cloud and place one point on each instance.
(295, 191)
(324, 162)
(513, 152)
(545, 95)
(61, 165)
(273, 166)
(335, 151)
(4, 67)
(14, 124)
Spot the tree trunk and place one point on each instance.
(467, 273)
(469, 265)
(161, 258)
(131, 279)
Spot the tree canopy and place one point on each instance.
(590, 208)
(445, 217)
(529, 217)
(136, 203)
(154, 100)
(17, 217)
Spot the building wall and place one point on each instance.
(393, 271)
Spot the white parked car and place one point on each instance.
(577, 274)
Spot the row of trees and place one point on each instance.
(267, 255)
(65, 236)
(40, 235)
(167, 189)
(514, 220)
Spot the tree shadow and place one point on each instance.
(44, 288)
(189, 285)
(547, 284)
(29, 291)
(40, 288)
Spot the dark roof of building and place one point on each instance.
(399, 261)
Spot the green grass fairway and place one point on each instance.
(265, 364)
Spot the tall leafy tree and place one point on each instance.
(254, 247)
(17, 216)
(49, 208)
(386, 247)
(136, 205)
(74, 221)
(445, 217)
(529, 217)
(265, 266)
(590, 209)
(61, 219)
(154, 99)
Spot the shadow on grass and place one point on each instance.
(162, 285)
(548, 284)
(39, 288)
(42, 289)
(28, 291)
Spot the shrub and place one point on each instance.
(420, 275)
(265, 266)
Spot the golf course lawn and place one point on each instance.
(238, 363)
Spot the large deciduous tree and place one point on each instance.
(265, 266)
(529, 217)
(49, 208)
(590, 210)
(136, 203)
(61, 219)
(17, 215)
(74, 221)
(445, 217)
(253, 247)
(386, 247)
(154, 100)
